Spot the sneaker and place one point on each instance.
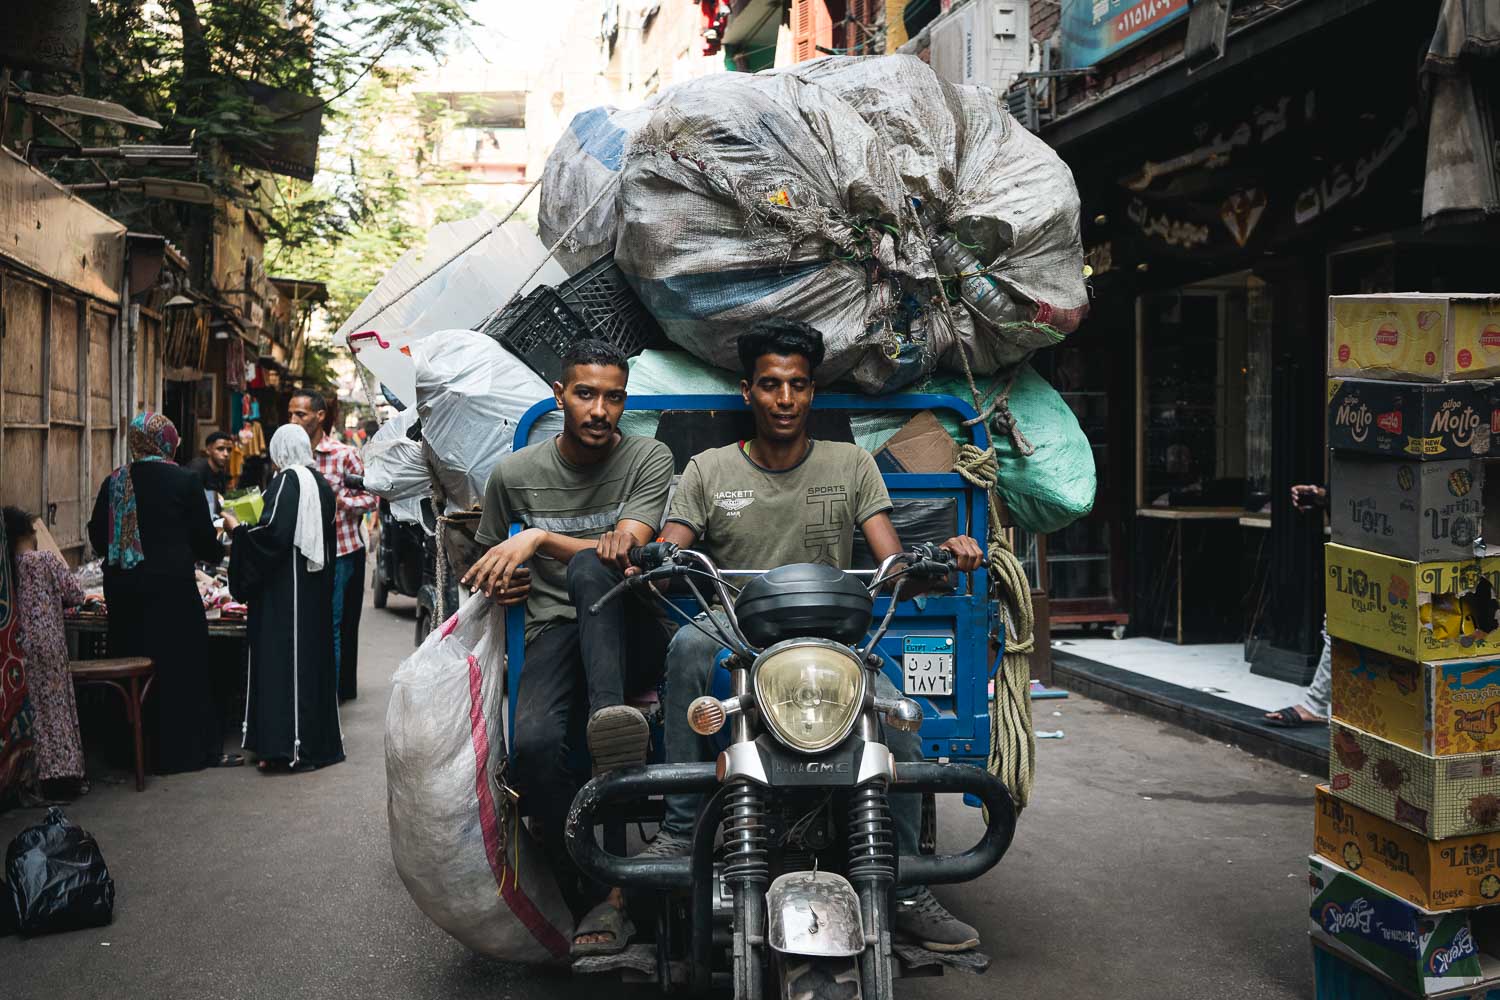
(667, 845)
(921, 918)
(618, 737)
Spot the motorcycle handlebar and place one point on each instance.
(652, 554)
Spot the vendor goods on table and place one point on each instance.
(1414, 336)
(1442, 708)
(1436, 796)
(1418, 950)
(1450, 874)
(1413, 420)
(1422, 511)
(1440, 610)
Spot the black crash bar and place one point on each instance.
(636, 783)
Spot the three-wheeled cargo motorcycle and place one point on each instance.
(787, 890)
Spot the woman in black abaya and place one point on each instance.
(283, 569)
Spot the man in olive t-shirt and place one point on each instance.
(584, 499)
(779, 499)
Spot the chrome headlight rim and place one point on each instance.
(768, 717)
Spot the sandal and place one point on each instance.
(1290, 718)
(605, 918)
(228, 760)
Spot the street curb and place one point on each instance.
(1305, 749)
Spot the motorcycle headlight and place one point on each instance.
(809, 692)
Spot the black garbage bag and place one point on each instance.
(58, 879)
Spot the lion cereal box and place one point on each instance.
(1415, 610)
(1434, 874)
(1414, 337)
(1421, 511)
(1438, 797)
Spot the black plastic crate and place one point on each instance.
(609, 307)
(538, 329)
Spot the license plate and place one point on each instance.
(927, 664)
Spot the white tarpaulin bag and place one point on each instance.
(459, 846)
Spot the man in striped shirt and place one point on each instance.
(335, 461)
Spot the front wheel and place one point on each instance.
(424, 624)
(382, 592)
(805, 978)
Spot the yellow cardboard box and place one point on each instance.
(1444, 708)
(1417, 611)
(1414, 336)
(1434, 874)
(1436, 796)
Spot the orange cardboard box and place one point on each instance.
(1434, 874)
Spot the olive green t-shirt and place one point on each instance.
(747, 517)
(539, 488)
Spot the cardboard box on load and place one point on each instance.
(1434, 874)
(1438, 797)
(1414, 420)
(1443, 708)
(1414, 337)
(1418, 950)
(1414, 610)
(1413, 510)
(921, 445)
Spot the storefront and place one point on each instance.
(1218, 217)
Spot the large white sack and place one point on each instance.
(459, 847)
(471, 393)
(395, 468)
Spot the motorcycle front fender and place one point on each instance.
(815, 914)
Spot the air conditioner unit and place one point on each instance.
(984, 42)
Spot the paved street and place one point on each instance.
(1152, 863)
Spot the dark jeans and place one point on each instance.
(572, 670)
(348, 600)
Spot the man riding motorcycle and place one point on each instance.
(779, 499)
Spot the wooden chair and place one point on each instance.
(130, 677)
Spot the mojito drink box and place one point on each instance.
(1439, 610)
(1438, 797)
(1421, 511)
(1418, 950)
(1443, 708)
(1414, 337)
(1437, 875)
(1417, 421)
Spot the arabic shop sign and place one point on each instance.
(1093, 30)
(1272, 172)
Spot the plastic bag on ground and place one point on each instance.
(58, 880)
(457, 842)
(471, 392)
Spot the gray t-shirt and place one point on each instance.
(539, 488)
(747, 517)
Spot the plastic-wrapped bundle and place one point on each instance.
(471, 392)
(395, 468)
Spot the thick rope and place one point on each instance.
(1012, 735)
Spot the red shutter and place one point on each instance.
(811, 27)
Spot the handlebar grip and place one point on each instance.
(652, 554)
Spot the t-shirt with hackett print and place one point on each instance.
(747, 517)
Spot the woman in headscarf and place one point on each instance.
(283, 569)
(151, 525)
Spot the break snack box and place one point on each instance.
(1420, 511)
(1418, 950)
(1444, 708)
(1433, 874)
(1414, 336)
(1421, 421)
(1441, 610)
(1438, 797)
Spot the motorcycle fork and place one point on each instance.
(872, 873)
(746, 869)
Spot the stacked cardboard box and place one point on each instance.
(1406, 865)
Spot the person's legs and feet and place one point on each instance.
(1313, 710)
(348, 628)
(618, 735)
(341, 568)
(917, 915)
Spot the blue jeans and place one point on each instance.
(690, 665)
(348, 572)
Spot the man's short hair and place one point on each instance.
(785, 337)
(217, 436)
(593, 352)
(314, 399)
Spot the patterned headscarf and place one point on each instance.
(152, 438)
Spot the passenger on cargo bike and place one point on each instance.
(779, 499)
(585, 497)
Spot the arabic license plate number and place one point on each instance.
(928, 673)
